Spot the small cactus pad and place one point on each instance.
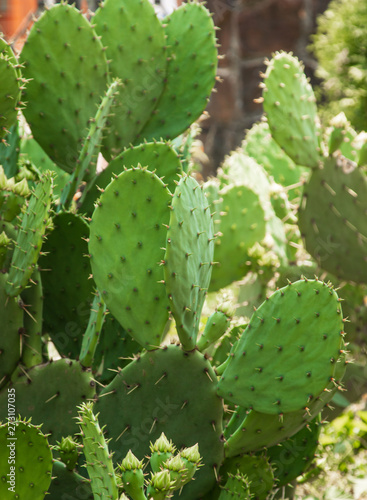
(302, 321)
(30, 235)
(332, 219)
(257, 470)
(126, 251)
(25, 461)
(241, 224)
(189, 257)
(65, 62)
(260, 145)
(190, 75)
(66, 386)
(154, 394)
(98, 459)
(290, 106)
(135, 45)
(11, 315)
(67, 484)
(159, 157)
(292, 457)
(10, 89)
(237, 486)
(66, 287)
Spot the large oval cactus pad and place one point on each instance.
(189, 257)
(32, 466)
(65, 62)
(126, 240)
(289, 351)
(332, 219)
(190, 72)
(135, 43)
(290, 106)
(154, 394)
(49, 391)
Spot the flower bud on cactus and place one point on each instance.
(162, 450)
(191, 458)
(178, 471)
(160, 485)
(132, 476)
(68, 450)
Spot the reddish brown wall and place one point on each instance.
(251, 30)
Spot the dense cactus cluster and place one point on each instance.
(104, 275)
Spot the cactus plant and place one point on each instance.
(118, 264)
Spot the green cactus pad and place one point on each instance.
(237, 486)
(190, 75)
(241, 224)
(292, 457)
(66, 287)
(256, 468)
(332, 219)
(159, 157)
(9, 152)
(302, 321)
(290, 106)
(248, 431)
(30, 235)
(126, 251)
(65, 62)
(188, 258)
(25, 461)
(50, 390)
(98, 459)
(11, 315)
(68, 484)
(260, 145)
(10, 91)
(138, 57)
(154, 394)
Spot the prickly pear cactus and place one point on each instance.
(188, 259)
(290, 107)
(153, 394)
(25, 461)
(65, 63)
(281, 327)
(331, 218)
(125, 253)
(30, 237)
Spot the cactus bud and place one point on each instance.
(21, 188)
(68, 450)
(160, 485)
(132, 476)
(191, 458)
(177, 470)
(162, 450)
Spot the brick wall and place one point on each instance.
(251, 30)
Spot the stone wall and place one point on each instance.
(250, 31)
